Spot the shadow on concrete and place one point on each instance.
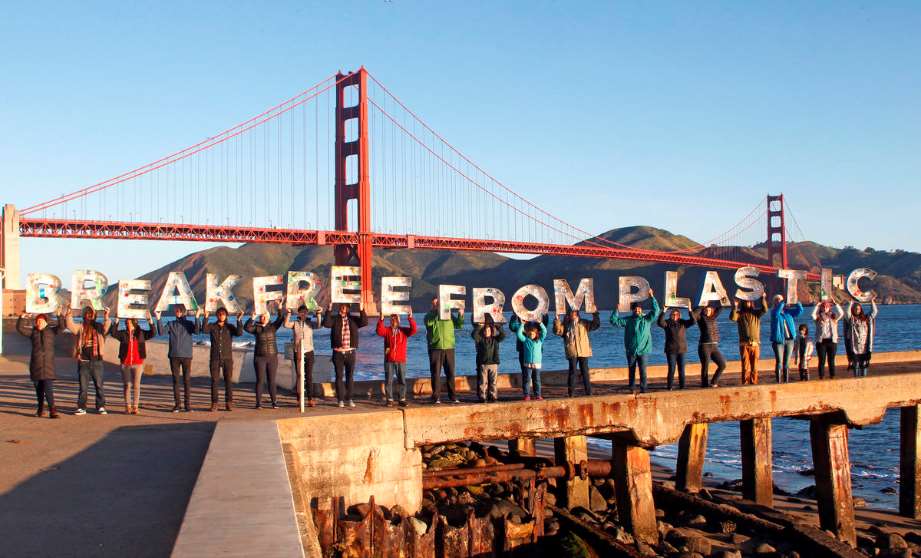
(122, 496)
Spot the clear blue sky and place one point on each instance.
(680, 115)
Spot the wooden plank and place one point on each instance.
(692, 451)
(633, 487)
(833, 477)
(910, 462)
(757, 461)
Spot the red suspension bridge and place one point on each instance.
(267, 180)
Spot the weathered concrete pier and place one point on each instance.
(358, 455)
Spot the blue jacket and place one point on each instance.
(533, 348)
(180, 336)
(781, 315)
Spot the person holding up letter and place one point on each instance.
(486, 338)
(574, 331)
(265, 354)
(395, 339)
(532, 337)
(88, 347)
(180, 332)
(132, 350)
(676, 344)
(637, 338)
(748, 320)
(302, 355)
(440, 335)
(826, 334)
(708, 346)
(343, 338)
(41, 358)
(222, 334)
(860, 328)
(783, 333)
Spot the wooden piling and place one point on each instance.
(633, 487)
(757, 461)
(572, 492)
(833, 476)
(521, 446)
(910, 462)
(692, 450)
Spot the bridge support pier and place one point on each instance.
(757, 461)
(910, 462)
(633, 488)
(572, 492)
(828, 435)
(692, 450)
(9, 248)
(522, 446)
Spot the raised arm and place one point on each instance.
(519, 333)
(596, 321)
(250, 326)
(838, 311)
(543, 330)
(557, 326)
(379, 329)
(280, 320)
(362, 318)
(413, 328)
(477, 333)
(499, 333)
(796, 310)
(616, 320)
(661, 321)
(654, 313)
(815, 312)
(874, 310)
(458, 319)
(431, 318)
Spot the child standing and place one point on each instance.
(802, 352)
(532, 341)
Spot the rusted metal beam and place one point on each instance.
(465, 470)
(692, 452)
(472, 477)
(757, 461)
(833, 476)
(910, 462)
(609, 545)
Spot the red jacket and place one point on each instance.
(395, 340)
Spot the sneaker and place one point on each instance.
(437, 402)
(403, 403)
(213, 407)
(80, 412)
(274, 405)
(351, 404)
(311, 403)
(102, 411)
(455, 400)
(188, 409)
(389, 403)
(341, 404)
(539, 398)
(175, 408)
(527, 397)
(53, 414)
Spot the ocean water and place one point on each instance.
(874, 450)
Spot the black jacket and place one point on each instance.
(41, 360)
(676, 341)
(265, 335)
(222, 338)
(334, 323)
(122, 336)
(487, 348)
(709, 328)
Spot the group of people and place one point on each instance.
(787, 341)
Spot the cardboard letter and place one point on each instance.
(793, 277)
(563, 295)
(672, 300)
(177, 291)
(745, 279)
(713, 290)
(266, 289)
(297, 295)
(88, 285)
(830, 282)
(42, 293)
(345, 284)
(395, 293)
(853, 284)
(221, 295)
(446, 303)
(132, 299)
(488, 300)
(632, 288)
(543, 303)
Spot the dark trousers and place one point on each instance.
(306, 368)
(861, 363)
(586, 375)
(90, 369)
(266, 370)
(441, 359)
(185, 365)
(44, 390)
(634, 362)
(344, 362)
(217, 367)
(710, 352)
(825, 350)
(675, 360)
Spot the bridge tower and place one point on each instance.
(776, 232)
(353, 177)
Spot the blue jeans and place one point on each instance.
(782, 370)
(398, 369)
(90, 370)
(675, 360)
(632, 362)
(530, 376)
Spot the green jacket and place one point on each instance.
(749, 322)
(440, 333)
(637, 336)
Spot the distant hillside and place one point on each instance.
(899, 281)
